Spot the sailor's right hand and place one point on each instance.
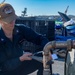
(25, 56)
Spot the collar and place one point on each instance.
(3, 37)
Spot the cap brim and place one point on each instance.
(10, 18)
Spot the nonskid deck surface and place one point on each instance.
(57, 67)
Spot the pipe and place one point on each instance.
(37, 58)
(69, 44)
(52, 45)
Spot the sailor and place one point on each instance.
(12, 59)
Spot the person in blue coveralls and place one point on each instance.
(12, 59)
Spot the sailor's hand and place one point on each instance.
(25, 56)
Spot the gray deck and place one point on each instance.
(58, 67)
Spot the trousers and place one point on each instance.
(26, 68)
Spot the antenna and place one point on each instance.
(2, 1)
(24, 12)
(66, 10)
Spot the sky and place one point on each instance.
(42, 7)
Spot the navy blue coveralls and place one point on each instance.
(10, 51)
